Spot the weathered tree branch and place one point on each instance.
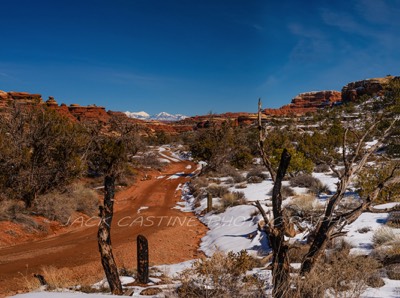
(261, 144)
(326, 227)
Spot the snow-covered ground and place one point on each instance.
(236, 229)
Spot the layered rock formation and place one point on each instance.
(74, 112)
(301, 104)
(19, 97)
(371, 87)
(307, 102)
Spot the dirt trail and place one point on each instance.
(173, 236)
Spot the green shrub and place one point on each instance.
(299, 163)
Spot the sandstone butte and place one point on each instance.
(300, 105)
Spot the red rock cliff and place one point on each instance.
(307, 102)
(371, 87)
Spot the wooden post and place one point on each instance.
(142, 259)
(209, 202)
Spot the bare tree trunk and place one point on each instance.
(276, 235)
(104, 236)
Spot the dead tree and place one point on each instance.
(333, 221)
(104, 236)
(277, 227)
(109, 153)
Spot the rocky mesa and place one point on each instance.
(312, 101)
(369, 87)
(74, 112)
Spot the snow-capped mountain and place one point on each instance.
(163, 116)
(138, 115)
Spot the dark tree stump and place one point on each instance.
(142, 259)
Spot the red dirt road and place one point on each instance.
(173, 236)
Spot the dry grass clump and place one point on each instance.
(297, 253)
(241, 186)
(339, 275)
(304, 203)
(389, 251)
(322, 168)
(151, 160)
(304, 180)
(15, 211)
(286, 191)
(254, 179)
(393, 271)
(61, 205)
(231, 199)
(217, 191)
(237, 177)
(383, 236)
(394, 219)
(227, 170)
(80, 278)
(9, 209)
(197, 186)
(256, 175)
(222, 276)
(307, 181)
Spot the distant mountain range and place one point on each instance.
(163, 116)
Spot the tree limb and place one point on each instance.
(264, 156)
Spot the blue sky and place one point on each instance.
(193, 57)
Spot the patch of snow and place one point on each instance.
(164, 160)
(233, 230)
(174, 270)
(391, 289)
(327, 179)
(142, 208)
(256, 191)
(176, 176)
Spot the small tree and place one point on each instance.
(109, 152)
(40, 150)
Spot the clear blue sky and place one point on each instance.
(193, 56)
